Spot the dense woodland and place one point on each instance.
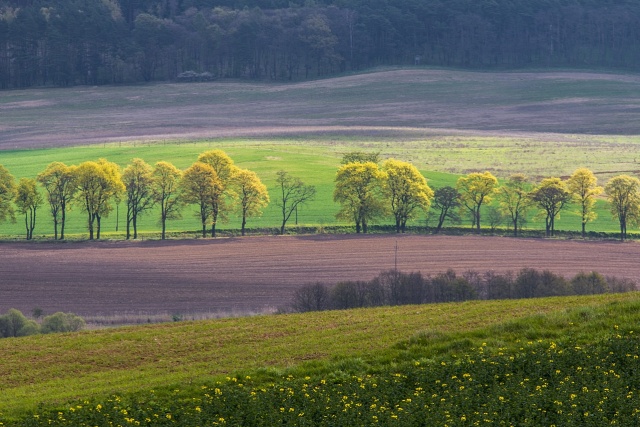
(70, 42)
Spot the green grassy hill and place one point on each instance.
(179, 359)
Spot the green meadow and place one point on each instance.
(315, 160)
(175, 362)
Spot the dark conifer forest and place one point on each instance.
(96, 42)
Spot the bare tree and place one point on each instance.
(292, 193)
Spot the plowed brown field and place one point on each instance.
(257, 273)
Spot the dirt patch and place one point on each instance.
(257, 273)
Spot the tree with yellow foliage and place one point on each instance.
(475, 190)
(138, 180)
(165, 189)
(358, 190)
(98, 184)
(583, 186)
(28, 200)
(59, 181)
(224, 168)
(7, 193)
(251, 193)
(406, 190)
(623, 192)
(199, 185)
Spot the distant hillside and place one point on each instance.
(70, 42)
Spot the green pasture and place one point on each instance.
(316, 160)
(51, 370)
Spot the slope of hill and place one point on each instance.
(53, 369)
(389, 104)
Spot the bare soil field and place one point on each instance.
(261, 273)
(409, 102)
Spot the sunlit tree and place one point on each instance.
(583, 186)
(623, 192)
(138, 180)
(199, 185)
(59, 181)
(252, 195)
(406, 190)
(98, 184)
(224, 168)
(165, 188)
(7, 193)
(475, 190)
(28, 200)
(358, 190)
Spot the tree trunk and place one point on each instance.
(90, 226)
(64, 217)
(244, 223)
(98, 218)
(164, 226)
(135, 226)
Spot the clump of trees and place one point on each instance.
(15, 324)
(367, 192)
(397, 288)
(213, 183)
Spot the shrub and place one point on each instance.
(11, 323)
(313, 297)
(29, 328)
(62, 322)
(615, 284)
(349, 295)
(588, 283)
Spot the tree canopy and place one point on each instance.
(358, 190)
(124, 41)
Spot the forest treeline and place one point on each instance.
(94, 42)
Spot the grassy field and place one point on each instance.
(92, 365)
(441, 160)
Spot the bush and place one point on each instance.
(29, 328)
(11, 323)
(313, 297)
(62, 322)
(588, 283)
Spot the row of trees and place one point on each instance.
(396, 288)
(213, 183)
(367, 191)
(55, 42)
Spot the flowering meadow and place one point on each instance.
(538, 383)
